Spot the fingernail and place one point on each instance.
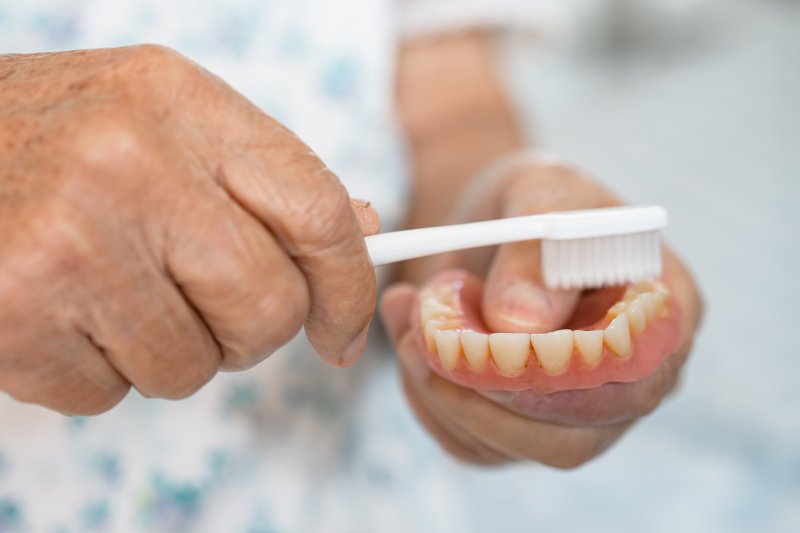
(353, 350)
(361, 203)
(524, 306)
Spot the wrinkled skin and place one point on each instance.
(158, 227)
(563, 429)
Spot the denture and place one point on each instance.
(621, 342)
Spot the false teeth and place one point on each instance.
(617, 336)
(510, 351)
(590, 346)
(553, 350)
(476, 350)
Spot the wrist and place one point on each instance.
(446, 81)
(456, 115)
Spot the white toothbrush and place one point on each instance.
(580, 249)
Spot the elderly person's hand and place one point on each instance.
(559, 399)
(157, 227)
(486, 412)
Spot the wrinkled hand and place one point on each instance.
(156, 227)
(564, 429)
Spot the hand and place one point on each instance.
(564, 428)
(158, 227)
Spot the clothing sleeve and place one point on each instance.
(421, 18)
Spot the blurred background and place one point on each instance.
(695, 105)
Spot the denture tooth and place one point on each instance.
(449, 347)
(432, 309)
(630, 295)
(617, 309)
(660, 298)
(636, 317)
(644, 286)
(444, 294)
(431, 327)
(617, 336)
(553, 350)
(590, 345)
(510, 351)
(476, 349)
(649, 305)
(660, 287)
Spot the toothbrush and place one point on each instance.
(580, 249)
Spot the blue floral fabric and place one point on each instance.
(292, 445)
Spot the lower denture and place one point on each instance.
(627, 344)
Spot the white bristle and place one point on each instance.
(601, 261)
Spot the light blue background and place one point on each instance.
(699, 112)
(705, 119)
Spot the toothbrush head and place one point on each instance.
(601, 261)
(602, 247)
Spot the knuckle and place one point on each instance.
(150, 55)
(105, 137)
(285, 309)
(273, 318)
(153, 67)
(326, 214)
(64, 242)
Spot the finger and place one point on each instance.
(686, 291)
(608, 404)
(145, 327)
(515, 297)
(60, 370)
(396, 312)
(249, 293)
(307, 209)
(396, 305)
(102, 280)
(367, 216)
(455, 443)
(519, 437)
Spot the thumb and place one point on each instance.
(367, 216)
(515, 297)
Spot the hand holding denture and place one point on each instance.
(158, 227)
(500, 368)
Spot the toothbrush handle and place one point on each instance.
(396, 246)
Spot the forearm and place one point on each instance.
(456, 115)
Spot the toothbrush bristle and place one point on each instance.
(601, 261)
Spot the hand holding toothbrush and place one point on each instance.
(156, 227)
